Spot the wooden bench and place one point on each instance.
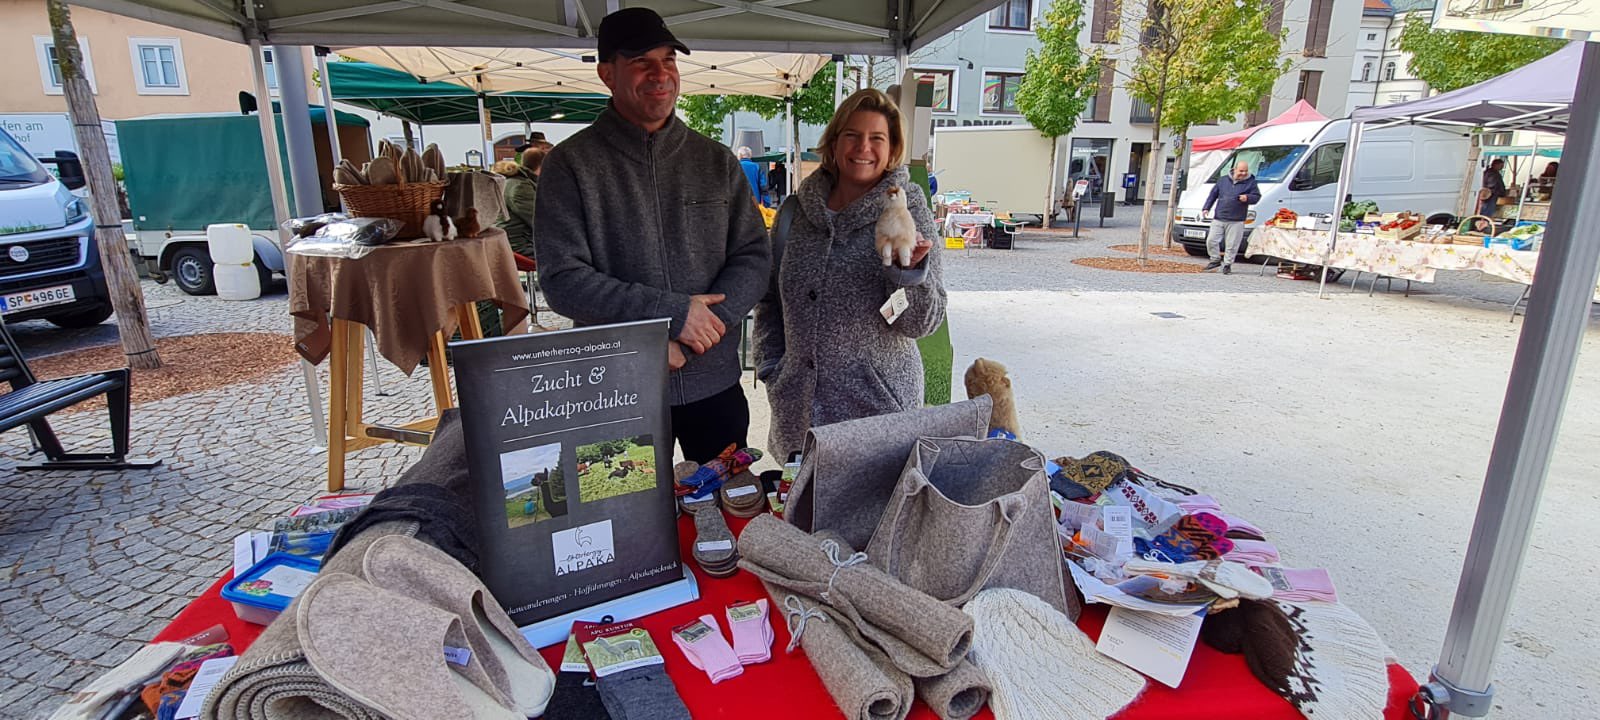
(25, 400)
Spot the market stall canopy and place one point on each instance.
(1536, 96)
(1522, 151)
(397, 94)
(1301, 111)
(794, 26)
(503, 70)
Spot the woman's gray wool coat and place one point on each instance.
(823, 350)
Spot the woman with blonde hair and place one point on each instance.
(828, 345)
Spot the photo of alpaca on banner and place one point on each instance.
(535, 488)
(616, 467)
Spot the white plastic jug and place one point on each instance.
(230, 244)
(236, 282)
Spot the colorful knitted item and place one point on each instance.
(1192, 537)
(713, 474)
(1088, 476)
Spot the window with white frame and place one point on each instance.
(1388, 71)
(271, 69)
(50, 72)
(158, 66)
(1372, 37)
(1366, 72)
(944, 87)
(1012, 15)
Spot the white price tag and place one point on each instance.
(714, 545)
(895, 306)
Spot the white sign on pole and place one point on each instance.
(1569, 19)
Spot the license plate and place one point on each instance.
(36, 298)
(1196, 234)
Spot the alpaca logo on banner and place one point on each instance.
(583, 547)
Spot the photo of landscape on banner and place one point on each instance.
(568, 445)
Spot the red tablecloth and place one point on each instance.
(1217, 687)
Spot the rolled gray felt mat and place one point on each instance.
(956, 695)
(920, 635)
(861, 681)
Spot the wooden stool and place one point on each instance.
(347, 432)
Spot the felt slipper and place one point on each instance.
(1227, 579)
(714, 549)
(742, 496)
(389, 652)
(417, 570)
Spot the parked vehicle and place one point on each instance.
(186, 172)
(49, 265)
(1298, 165)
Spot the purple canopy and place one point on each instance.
(1536, 96)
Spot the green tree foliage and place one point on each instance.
(813, 105)
(1058, 79)
(1453, 59)
(1200, 61)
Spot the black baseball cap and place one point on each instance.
(635, 31)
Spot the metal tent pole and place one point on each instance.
(1541, 375)
(280, 215)
(303, 178)
(1347, 171)
(335, 152)
(1522, 195)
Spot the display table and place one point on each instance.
(1400, 259)
(1217, 687)
(954, 221)
(413, 296)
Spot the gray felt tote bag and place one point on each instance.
(968, 515)
(848, 470)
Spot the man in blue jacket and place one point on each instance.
(1233, 195)
(755, 174)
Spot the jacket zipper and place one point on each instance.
(661, 240)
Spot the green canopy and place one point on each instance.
(772, 157)
(397, 94)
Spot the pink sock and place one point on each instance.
(703, 645)
(1253, 552)
(752, 632)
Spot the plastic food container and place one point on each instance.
(267, 588)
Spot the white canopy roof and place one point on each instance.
(879, 27)
(495, 70)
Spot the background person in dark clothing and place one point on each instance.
(1233, 195)
(1494, 188)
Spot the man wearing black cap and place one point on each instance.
(639, 217)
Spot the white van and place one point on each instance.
(49, 263)
(1297, 166)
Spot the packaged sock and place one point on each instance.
(1296, 585)
(702, 643)
(751, 631)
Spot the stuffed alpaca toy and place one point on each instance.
(438, 226)
(468, 225)
(897, 232)
(987, 377)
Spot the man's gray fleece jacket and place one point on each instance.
(629, 224)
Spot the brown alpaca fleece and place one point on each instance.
(987, 377)
(1263, 634)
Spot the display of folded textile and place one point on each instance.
(921, 635)
(1042, 666)
(862, 681)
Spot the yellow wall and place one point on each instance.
(216, 70)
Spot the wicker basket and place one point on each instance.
(407, 203)
(1464, 236)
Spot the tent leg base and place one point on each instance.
(1445, 699)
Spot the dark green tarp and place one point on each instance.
(397, 94)
(184, 172)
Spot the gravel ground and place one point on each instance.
(1355, 430)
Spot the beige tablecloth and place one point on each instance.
(404, 293)
(1399, 259)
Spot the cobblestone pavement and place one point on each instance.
(93, 564)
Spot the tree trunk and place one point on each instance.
(1050, 187)
(127, 299)
(1172, 197)
(405, 128)
(1149, 197)
(1468, 201)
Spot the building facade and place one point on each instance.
(135, 68)
(977, 68)
(1379, 74)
